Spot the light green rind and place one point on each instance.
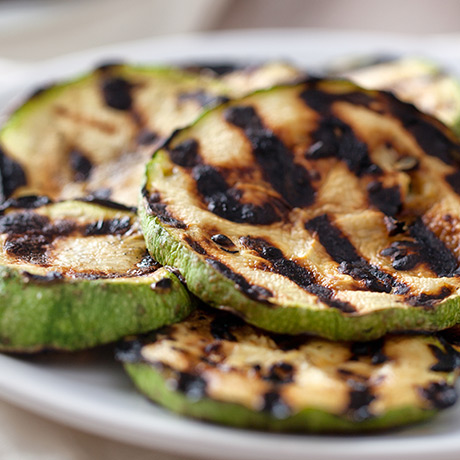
(219, 291)
(72, 315)
(154, 385)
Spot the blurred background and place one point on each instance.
(39, 29)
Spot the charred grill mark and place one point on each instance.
(221, 326)
(12, 176)
(294, 272)
(430, 137)
(116, 226)
(160, 210)
(289, 179)
(95, 199)
(29, 235)
(195, 245)
(386, 199)
(223, 200)
(440, 395)
(322, 101)
(344, 253)
(193, 386)
(454, 181)
(432, 250)
(360, 399)
(274, 405)
(186, 154)
(203, 98)
(428, 300)
(81, 165)
(258, 293)
(372, 350)
(451, 336)
(280, 373)
(25, 202)
(448, 359)
(116, 92)
(335, 139)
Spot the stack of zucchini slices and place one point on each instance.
(315, 224)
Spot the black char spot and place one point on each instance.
(165, 284)
(80, 165)
(294, 272)
(280, 373)
(221, 326)
(117, 93)
(386, 199)
(116, 226)
(394, 226)
(372, 349)
(194, 387)
(275, 406)
(287, 342)
(343, 252)
(129, 351)
(12, 176)
(439, 394)
(448, 358)
(289, 179)
(222, 240)
(454, 181)
(185, 154)
(258, 293)
(360, 399)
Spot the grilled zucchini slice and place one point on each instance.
(78, 138)
(214, 367)
(77, 274)
(319, 207)
(418, 81)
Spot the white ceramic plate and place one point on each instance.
(90, 391)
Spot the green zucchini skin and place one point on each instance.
(191, 368)
(75, 275)
(38, 315)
